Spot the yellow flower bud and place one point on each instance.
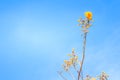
(88, 15)
(93, 78)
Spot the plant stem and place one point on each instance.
(84, 45)
(60, 73)
(71, 74)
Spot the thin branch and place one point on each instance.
(71, 74)
(60, 73)
(82, 74)
(84, 45)
(75, 68)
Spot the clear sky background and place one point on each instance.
(37, 35)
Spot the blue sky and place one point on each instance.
(36, 36)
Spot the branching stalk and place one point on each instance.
(71, 74)
(60, 73)
(84, 45)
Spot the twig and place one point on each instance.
(84, 45)
(71, 74)
(75, 68)
(82, 74)
(60, 73)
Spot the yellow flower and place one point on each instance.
(68, 63)
(88, 25)
(78, 20)
(88, 15)
(93, 78)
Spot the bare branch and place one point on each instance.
(60, 73)
(75, 68)
(84, 45)
(71, 74)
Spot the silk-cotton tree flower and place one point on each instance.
(73, 62)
